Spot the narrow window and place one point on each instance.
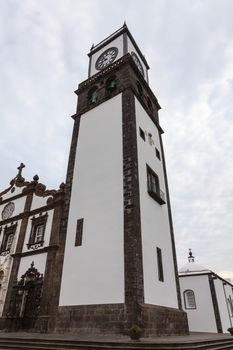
(1, 278)
(39, 233)
(157, 153)
(8, 238)
(153, 186)
(189, 299)
(160, 264)
(79, 232)
(9, 241)
(142, 134)
(38, 227)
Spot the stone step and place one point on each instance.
(55, 344)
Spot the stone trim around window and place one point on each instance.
(189, 299)
(160, 264)
(8, 238)
(79, 232)
(36, 239)
(153, 187)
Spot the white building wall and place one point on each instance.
(38, 202)
(222, 304)
(154, 220)
(229, 296)
(118, 42)
(95, 270)
(201, 319)
(11, 193)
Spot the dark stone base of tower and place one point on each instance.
(109, 319)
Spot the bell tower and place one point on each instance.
(119, 265)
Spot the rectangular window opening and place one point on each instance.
(8, 238)
(79, 232)
(160, 264)
(9, 241)
(142, 134)
(38, 226)
(39, 233)
(157, 153)
(153, 186)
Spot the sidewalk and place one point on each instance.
(193, 337)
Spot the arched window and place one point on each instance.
(92, 95)
(111, 84)
(189, 299)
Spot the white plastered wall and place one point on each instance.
(13, 192)
(118, 42)
(201, 319)
(222, 303)
(38, 202)
(154, 220)
(229, 295)
(93, 273)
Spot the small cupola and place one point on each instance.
(192, 267)
(190, 257)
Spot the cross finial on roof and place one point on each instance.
(191, 257)
(20, 168)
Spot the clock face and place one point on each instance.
(138, 63)
(106, 58)
(8, 211)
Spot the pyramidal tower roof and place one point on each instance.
(192, 267)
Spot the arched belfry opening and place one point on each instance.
(25, 300)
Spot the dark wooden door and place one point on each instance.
(25, 301)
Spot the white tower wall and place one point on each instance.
(93, 273)
(154, 220)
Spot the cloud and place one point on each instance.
(188, 45)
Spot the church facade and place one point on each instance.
(206, 297)
(97, 255)
(30, 223)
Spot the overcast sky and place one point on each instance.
(189, 47)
